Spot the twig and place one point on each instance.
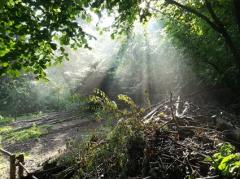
(171, 107)
(151, 112)
(209, 177)
(177, 106)
(166, 123)
(5, 152)
(195, 127)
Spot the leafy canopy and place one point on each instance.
(33, 33)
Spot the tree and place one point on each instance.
(216, 24)
(209, 32)
(33, 33)
(16, 96)
(196, 19)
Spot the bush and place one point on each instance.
(110, 153)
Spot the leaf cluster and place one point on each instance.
(225, 161)
(104, 106)
(33, 33)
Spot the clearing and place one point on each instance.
(55, 130)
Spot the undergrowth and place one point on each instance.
(109, 153)
(131, 148)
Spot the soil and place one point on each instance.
(64, 127)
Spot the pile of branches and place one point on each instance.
(192, 134)
(186, 117)
(177, 138)
(167, 157)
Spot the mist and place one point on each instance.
(143, 62)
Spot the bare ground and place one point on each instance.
(63, 127)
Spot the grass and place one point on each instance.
(5, 129)
(33, 132)
(9, 135)
(6, 120)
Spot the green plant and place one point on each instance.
(6, 120)
(103, 106)
(111, 152)
(225, 161)
(32, 132)
(4, 129)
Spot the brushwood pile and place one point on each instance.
(172, 139)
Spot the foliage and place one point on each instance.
(225, 161)
(16, 94)
(194, 27)
(134, 148)
(109, 153)
(24, 95)
(112, 148)
(100, 100)
(104, 106)
(34, 33)
(195, 37)
(128, 11)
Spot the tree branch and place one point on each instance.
(216, 24)
(214, 16)
(193, 11)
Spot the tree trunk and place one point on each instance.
(237, 12)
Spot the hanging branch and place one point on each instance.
(216, 24)
(193, 11)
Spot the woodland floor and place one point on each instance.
(63, 126)
(178, 137)
(200, 128)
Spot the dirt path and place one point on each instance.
(64, 126)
